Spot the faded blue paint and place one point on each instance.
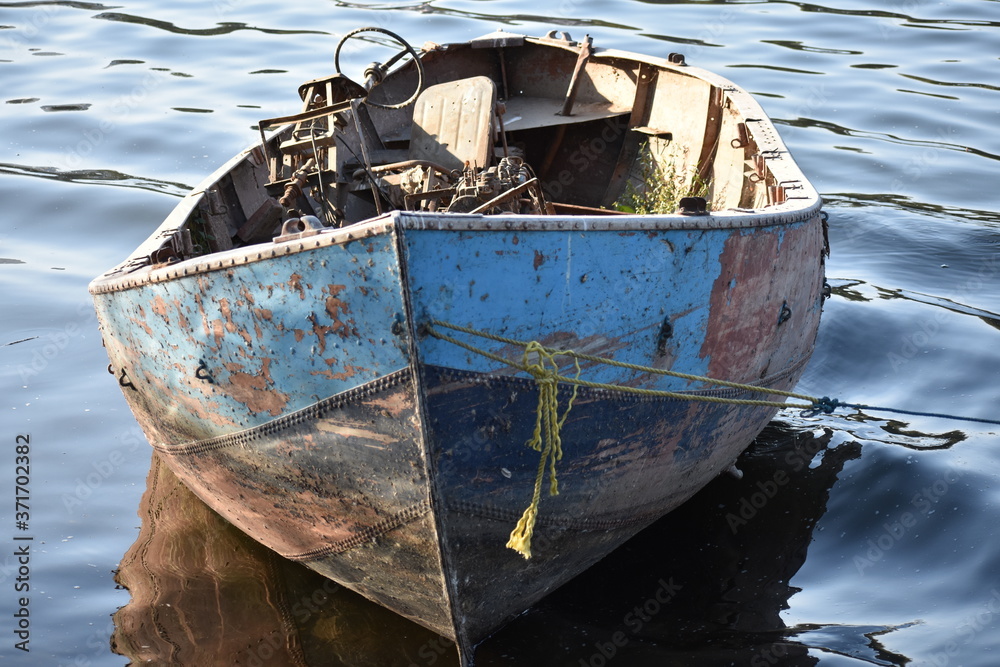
(604, 292)
(235, 348)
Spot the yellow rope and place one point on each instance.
(680, 395)
(540, 362)
(545, 439)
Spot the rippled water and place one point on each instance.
(852, 540)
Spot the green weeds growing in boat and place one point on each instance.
(658, 185)
(201, 238)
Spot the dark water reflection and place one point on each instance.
(705, 585)
(203, 593)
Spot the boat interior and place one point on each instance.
(504, 124)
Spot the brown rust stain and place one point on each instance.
(260, 315)
(280, 495)
(227, 314)
(252, 512)
(320, 331)
(349, 432)
(336, 309)
(208, 328)
(741, 317)
(247, 294)
(539, 259)
(758, 273)
(160, 308)
(334, 305)
(141, 321)
(217, 331)
(295, 283)
(177, 428)
(252, 390)
(349, 371)
(182, 319)
(396, 405)
(219, 327)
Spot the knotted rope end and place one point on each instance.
(825, 405)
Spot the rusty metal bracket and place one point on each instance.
(744, 137)
(586, 50)
(124, 381)
(296, 228)
(559, 37)
(785, 314)
(202, 373)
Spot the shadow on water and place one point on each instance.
(705, 585)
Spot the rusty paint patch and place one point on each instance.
(205, 325)
(251, 389)
(539, 259)
(349, 371)
(247, 294)
(141, 321)
(182, 319)
(758, 273)
(217, 331)
(320, 331)
(334, 305)
(295, 284)
(227, 314)
(160, 307)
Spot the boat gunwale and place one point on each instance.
(801, 204)
(116, 281)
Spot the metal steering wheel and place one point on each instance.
(378, 70)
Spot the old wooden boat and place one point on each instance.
(362, 341)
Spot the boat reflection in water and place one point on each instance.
(204, 594)
(702, 586)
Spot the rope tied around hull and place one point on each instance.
(541, 363)
(546, 437)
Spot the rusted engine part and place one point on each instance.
(304, 163)
(508, 187)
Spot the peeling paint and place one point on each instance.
(255, 390)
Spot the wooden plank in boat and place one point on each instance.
(531, 112)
